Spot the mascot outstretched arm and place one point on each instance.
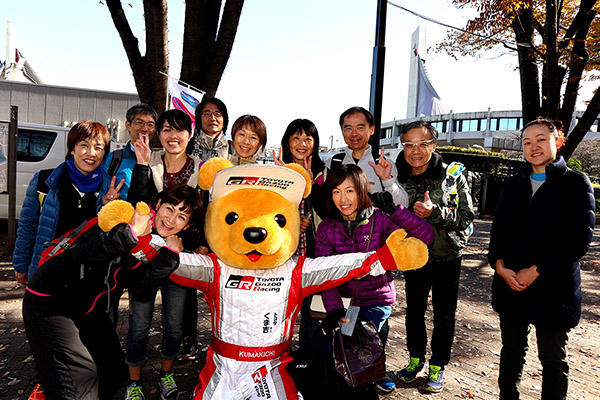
(253, 285)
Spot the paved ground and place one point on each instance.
(474, 365)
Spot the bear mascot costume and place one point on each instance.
(253, 284)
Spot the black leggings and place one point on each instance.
(75, 358)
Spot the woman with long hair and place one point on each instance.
(300, 145)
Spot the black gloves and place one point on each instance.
(333, 317)
(383, 201)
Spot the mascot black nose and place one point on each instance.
(255, 235)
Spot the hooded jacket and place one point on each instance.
(450, 222)
(333, 238)
(551, 229)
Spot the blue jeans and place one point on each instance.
(379, 315)
(140, 319)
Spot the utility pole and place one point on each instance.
(12, 177)
(377, 75)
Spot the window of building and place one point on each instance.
(440, 126)
(483, 124)
(385, 133)
(509, 124)
(33, 145)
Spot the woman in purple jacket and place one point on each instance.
(356, 226)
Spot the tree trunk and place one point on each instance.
(578, 31)
(207, 44)
(150, 84)
(522, 26)
(553, 73)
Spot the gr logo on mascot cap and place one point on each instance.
(264, 232)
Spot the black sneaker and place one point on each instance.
(189, 350)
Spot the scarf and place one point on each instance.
(84, 183)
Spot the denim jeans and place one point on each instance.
(552, 352)
(379, 315)
(140, 319)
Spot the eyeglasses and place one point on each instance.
(423, 145)
(141, 124)
(208, 114)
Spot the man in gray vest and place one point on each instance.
(357, 127)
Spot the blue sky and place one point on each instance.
(291, 59)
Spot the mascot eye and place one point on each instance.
(231, 218)
(280, 219)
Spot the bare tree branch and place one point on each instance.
(130, 42)
(583, 126)
(224, 43)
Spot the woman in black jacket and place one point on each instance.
(543, 226)
(66, 308)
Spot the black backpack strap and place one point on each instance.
(42, 187)
(337, 160)
(115, 163)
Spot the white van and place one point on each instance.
(38, 147)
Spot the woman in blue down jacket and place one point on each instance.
(356, 226)
(59, 200)
(543, 226)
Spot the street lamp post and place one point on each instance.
(377, 75)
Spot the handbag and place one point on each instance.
(360, 358)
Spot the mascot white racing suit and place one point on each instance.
(253, 314)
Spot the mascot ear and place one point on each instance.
(209, 169)
(300, 169)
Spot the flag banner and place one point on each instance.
(183, 98)
(428, 101)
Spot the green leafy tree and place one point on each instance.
(557, 43)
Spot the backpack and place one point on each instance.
(337, 160)
(65, 241)
(42, 188)
(115, 163)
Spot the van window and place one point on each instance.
(33, 145)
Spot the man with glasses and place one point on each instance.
(141, 124)
(439, 194)
(357, 127)
(211, 123)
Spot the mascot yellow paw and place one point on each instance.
(409, 253)
(119, 211)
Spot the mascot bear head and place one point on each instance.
(252, 220)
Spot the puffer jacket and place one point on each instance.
(82, 278)
(36, 226)
(552, 230)
(333, 238)
(451, 223)
(125, 169)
